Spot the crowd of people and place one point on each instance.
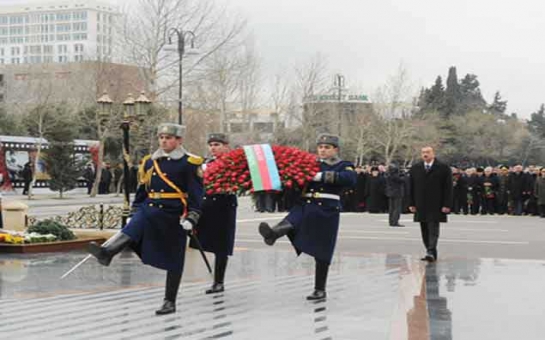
(489, 190)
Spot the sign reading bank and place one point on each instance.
(321, 98)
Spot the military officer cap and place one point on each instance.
(325, 138)
(480, 169)
(218, 137)
(504, 167)
(171, 129)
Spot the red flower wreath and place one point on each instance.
(230, 174)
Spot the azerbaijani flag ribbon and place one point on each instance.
(263, 170)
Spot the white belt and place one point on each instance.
(320, 195)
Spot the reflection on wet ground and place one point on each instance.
(371, 296)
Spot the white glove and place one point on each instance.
(318, 177)
(186, 224)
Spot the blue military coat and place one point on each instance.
(315, 219)
(154, 228)
(216, 227)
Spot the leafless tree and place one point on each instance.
(392, 127)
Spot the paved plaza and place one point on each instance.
(486, 285)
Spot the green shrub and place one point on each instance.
(51, 227)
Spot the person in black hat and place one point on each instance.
(312, 224)
(216, 227)
(375, 192)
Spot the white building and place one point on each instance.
(57, 32)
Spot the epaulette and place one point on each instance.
(142, 175)
(194, 159)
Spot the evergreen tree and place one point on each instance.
(536, 124)
(452, 93)
(498, 106)
(59, 158)
(471, 98)
(436, 95)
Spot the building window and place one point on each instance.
(63, 37)
(63, 28)
(3, 41)
(35, 49)
(15, 50)
(238, 127)
(78, 48)
(62, 59)
(63, 16)
(48, 49)
(264, 127)
(3, 20)
(1, 60)
(79, 26)
(2, 51)
(48, 59)
(78, 58)
(15, 60)
(3, 31)
(16, 30)
(80, 36)
(62, 49)
(14, 20)
(16, 40)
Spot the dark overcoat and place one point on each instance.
(217, 224)
(430, 191)
(154, 228)
(316, 220)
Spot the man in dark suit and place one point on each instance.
(431, 198)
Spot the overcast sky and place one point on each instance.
(500, 41)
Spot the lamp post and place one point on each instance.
(339, 85)
(130, 105)
(182, 36)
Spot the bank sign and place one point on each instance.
(355, 98)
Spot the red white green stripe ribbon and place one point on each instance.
(263, 169)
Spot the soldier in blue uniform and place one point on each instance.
(313, 223)
(167, 205)
(216, 227)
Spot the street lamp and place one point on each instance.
(183, 36)
(131, 109)
(339, 85)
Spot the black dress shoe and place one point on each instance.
(428, 258)
(397, 225)
(317, 295)
(168, 307)
(216, 288)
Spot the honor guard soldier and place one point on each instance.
(216, 227)
(313, 223)
(166, 207)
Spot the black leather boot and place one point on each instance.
(219, 274)
(270, 235)
(105, 253)
(320, 279)
(171, 291)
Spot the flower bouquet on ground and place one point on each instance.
(230, 173)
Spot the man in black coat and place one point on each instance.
(431, 198)
(395, 190)
(517, 189)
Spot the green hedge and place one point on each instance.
(51, 227)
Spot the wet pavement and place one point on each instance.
(371, 296)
